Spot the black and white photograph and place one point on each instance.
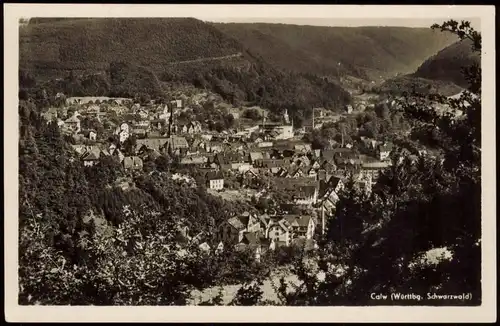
(252, 160)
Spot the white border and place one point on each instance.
(13, 312)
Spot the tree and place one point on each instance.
(252, 114)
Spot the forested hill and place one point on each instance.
(127, 56)
(447, 64)
(366, 52)
(442, 73)
(91, 44)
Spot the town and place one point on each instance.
(246, 160)
(170, 161)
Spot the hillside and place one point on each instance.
(366, 52)
(128, 56)
(91, 44)
(409, 83)
(447, 64)
(441, 73)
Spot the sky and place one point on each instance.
(348, 22)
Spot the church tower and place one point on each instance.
(286, 117)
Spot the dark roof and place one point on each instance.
(293, 183)
(236, 223)
(132, 161)
(250, 238)
(176, 142)
(334, 181)
(152, 143)
(305, 191)
(304, 220)
(90, 156)
(212, 175)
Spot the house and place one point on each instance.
(255, 242)
(373, 169)
(90, 134)
(363, 186)
(384, 150)
(220, 248)
(215, 180)
(278, 232)
(123, 135)
(194, 160)
(158, 124)
(306, 195)
(214, 147)
(90, 158)
(369, 145)
(295, 172)
(328, 166)
(207, 137)
(336, 184)
(151, 143)
(263, 144)
(50, 114)
(312, 173)
(229, 160)
(132, 163)
(302, 148)
(152, 154)
(143, 114)
(331, 190)
(300, 226)
(60, 123)
(93, 109)
(154, 134)
(233, 229)
(73, 123)
(115, 152)
(322, 175)
(197, 145)
(79, 149)
(139, 132)
(255, 156)
(348, 109)
(302, 160)
(194, 127)
(176, 144)
(176, 104)
(205, 247)
(283, 173)
(124, 126)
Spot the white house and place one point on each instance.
(215, 181)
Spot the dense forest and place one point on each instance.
(365, 52)
(91, 44)
(147, 55)
(69, 213)
(411, 83)
(448, 64)
(442, 73)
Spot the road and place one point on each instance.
(236, 55)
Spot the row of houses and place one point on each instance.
(260, 233)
